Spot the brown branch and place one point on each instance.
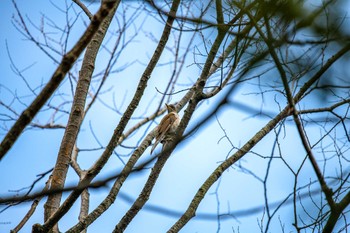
(268, 40)
(143, 146)
(76, 116)
(26, 217)
(335, 208)
(67, 62)
(145, 193)
(86, 220)
(335, 213)
(134, 158)
(233, 45)
(84, 8)
(85, 195)
(219, 13)
(31, 210)
(121, 177)
(96, 168)
(326, 190)
(128, 167)
(325, 109)
(198, 95)
(191, 210)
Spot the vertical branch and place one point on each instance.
(219, 13)
(75, 118)
(108, 201)
(264, 38)
(268, 40)
(163, 157)
(103, 206)
(66, 64)
(191, 210)
(84, 206)
(85, 195)
(326, 190)
(96, 168)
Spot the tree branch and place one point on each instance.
(67, 62)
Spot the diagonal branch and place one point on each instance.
(335, 213)
(96, 168)
(76, 116)
(66, 64)
(191, 210)
(84, 8)
(268, 40)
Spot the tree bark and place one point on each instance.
(76, 117)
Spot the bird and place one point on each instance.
(167, 126)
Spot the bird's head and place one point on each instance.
(170, 107)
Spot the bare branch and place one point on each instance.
(65, 65)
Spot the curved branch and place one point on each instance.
(96, 168)
(66, 64)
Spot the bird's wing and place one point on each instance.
(165, 125)
(154, 146)
(163, 128)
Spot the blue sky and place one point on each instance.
(192, 162)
